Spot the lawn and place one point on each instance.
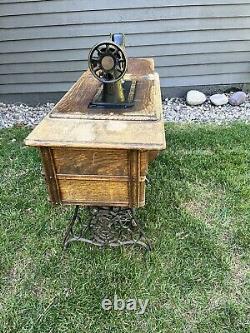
(197, 216)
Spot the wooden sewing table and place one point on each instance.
(96, 157)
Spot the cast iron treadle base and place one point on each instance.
(107, 226)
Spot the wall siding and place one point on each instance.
(44, 44)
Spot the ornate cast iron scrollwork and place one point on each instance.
(107, 226)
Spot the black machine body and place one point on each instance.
(108, 63)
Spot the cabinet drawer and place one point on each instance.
(99, 192)
(95, 177)
(91, 162)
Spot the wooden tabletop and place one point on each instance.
(72, 124)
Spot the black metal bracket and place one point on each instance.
(128, 87)
(106, 227)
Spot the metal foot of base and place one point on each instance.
(107, 226)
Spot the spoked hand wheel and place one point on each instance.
(107, 62)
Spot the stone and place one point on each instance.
(195, 97)
(238, 98)
(219, 99)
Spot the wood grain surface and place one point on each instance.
(95, 191)
(72, 128)
(91, 161)
(102, 161)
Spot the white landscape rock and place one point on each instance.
(176, 110)
(219, 99)
(238, 98)
(195, 97)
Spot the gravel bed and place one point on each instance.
(22, 114)
(175, 110)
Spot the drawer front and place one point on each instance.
(95, 177)
(91, 162)
(95, 192)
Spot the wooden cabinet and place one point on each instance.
(95, 176)
(97, 157)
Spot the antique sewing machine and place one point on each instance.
(108, 64)
(97, 142)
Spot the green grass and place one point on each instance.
(197, 215)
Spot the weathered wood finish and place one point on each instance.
(91, 161)
(94, 192)
(75, 102)
(96, 177)
(50, 175)
(72, 124)
(94, 157)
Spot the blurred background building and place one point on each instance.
(44, 43)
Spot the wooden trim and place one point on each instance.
(138, 173)
(134, 177)
(92, 177)
(95, 203)
(108, 150)
(50, 175)
(129, 182)
(97, 177)
(101, 145)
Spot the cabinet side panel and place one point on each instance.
(134, 157)
(142, 194)
(50, 175)
(138, 170)
(143, 173)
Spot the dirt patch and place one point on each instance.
(206, 203)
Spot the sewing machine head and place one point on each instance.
(108, 63)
